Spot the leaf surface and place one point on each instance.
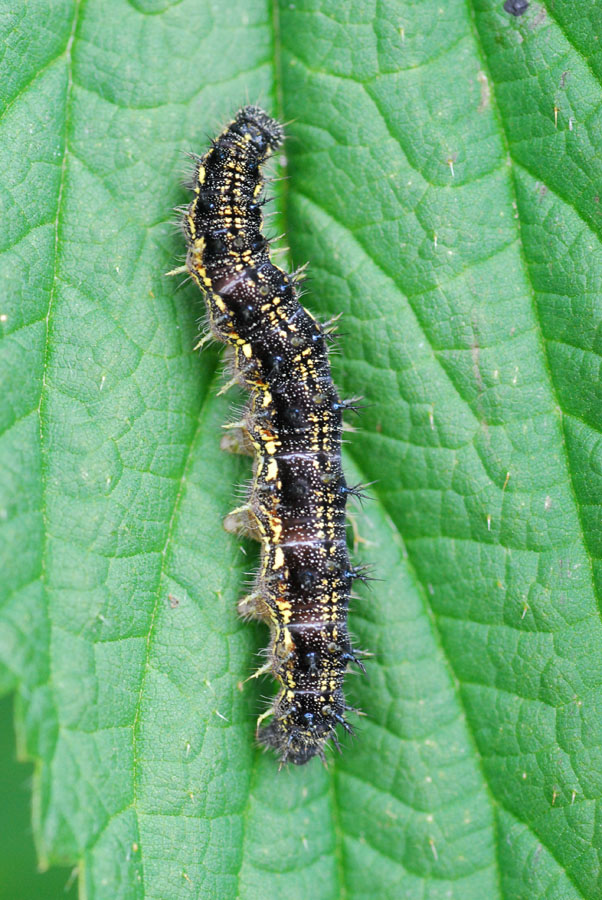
(444, 181)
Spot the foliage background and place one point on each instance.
(445, 175)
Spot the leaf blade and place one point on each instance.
(482, 699)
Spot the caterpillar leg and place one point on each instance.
(237, 440)
(243, 520)
(253, 606)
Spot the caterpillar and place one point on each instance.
(292, 426)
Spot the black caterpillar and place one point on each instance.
(292, 426)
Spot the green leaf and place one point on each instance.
(445, 175)
(19, 879)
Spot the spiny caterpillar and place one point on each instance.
(292, 427)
